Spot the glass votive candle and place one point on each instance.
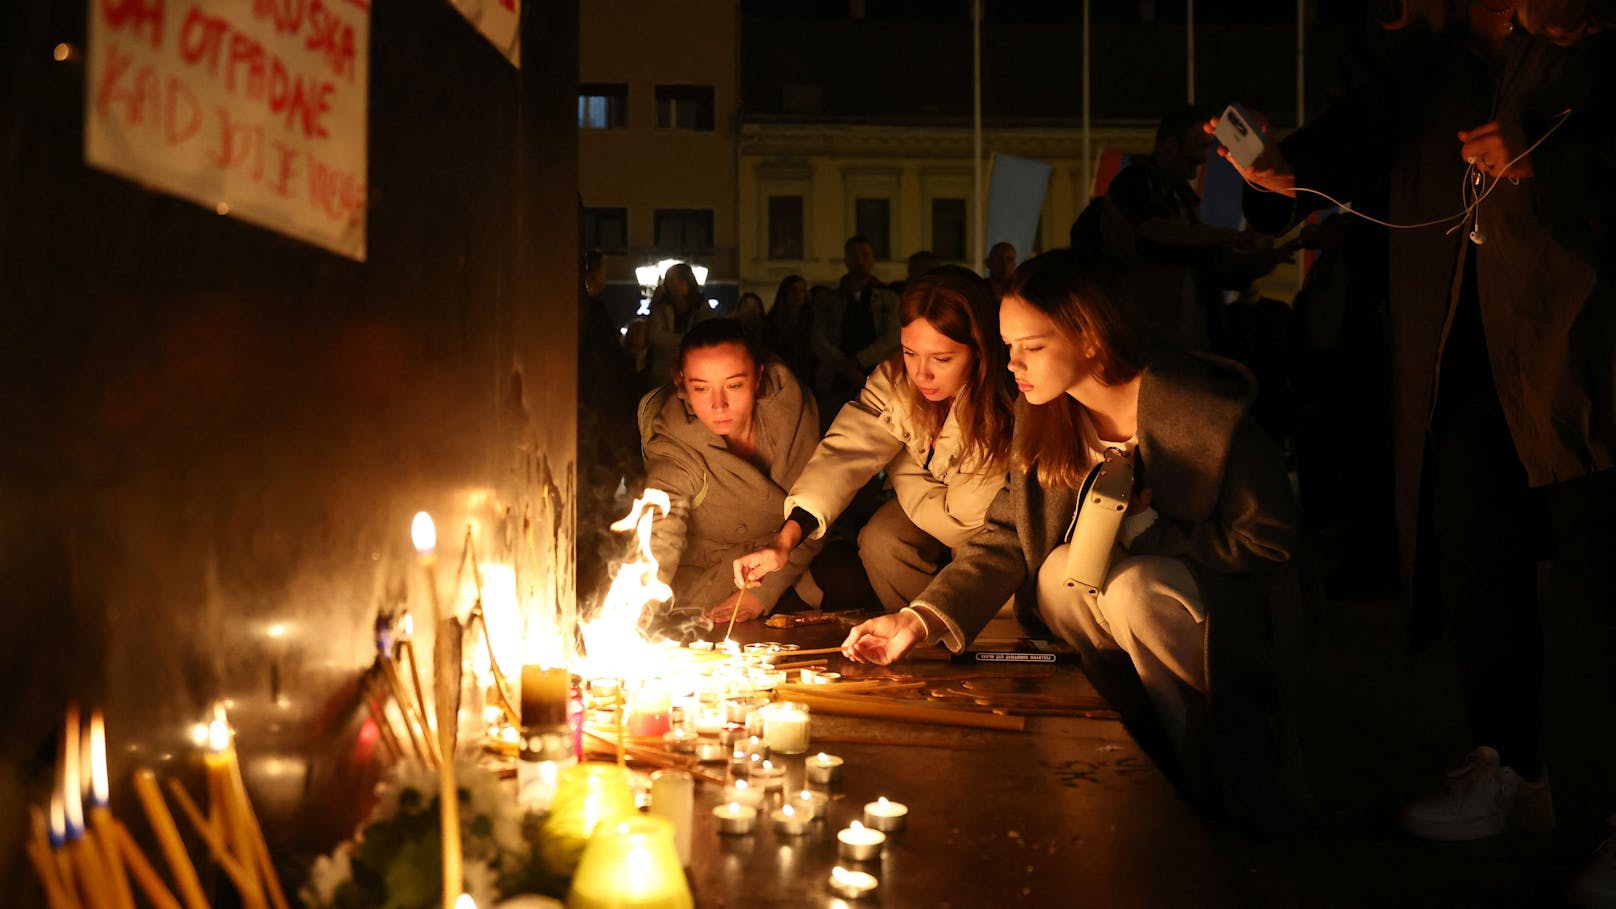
(823, 768)
(858, 843)
(760, 648)
(809, 802)
(768, 776)
(852, 885)
(744, 793)
(631, 862)
(785, 727)
(735, 818)
(788, 821)
(755, 723)
(885, 814)
(737, 709)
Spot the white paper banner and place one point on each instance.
(497, 20)
(253, 108)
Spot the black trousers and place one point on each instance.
(1487, 532)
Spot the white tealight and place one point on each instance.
(852, 885)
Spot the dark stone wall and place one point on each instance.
(211, 430)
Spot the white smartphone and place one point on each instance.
(1240, 134)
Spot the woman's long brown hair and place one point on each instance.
(960, 305)
(1074, 297)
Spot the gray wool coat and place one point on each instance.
(723, 506)
(1223, 501)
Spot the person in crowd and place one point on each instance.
(677, 304)
(936, 417)
(1150, 217)
(607, 390)
(789, 327)
(749, 309)
(725, 442)
(1504, 372)
(1206, 543)
(861, 328)
(1001, 267)
(636, 343)
(918, 264)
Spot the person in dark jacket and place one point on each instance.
(1503, 325)
(607, 442)
(1207, 536)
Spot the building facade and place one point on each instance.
(658, 96)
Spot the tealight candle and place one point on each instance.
(708, 751)
(735, 818)
(883, 814)
(768, 776)
(823, 768)
(744, 793)
(852, 885)
(679, 741)
(859, 843)
(709, 722)
(807, 676)
(789, 821)
(809, 802)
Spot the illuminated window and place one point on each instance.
(872, 218)
(602, 105)
(684, 107)
(948, 229)
(606, 229)
(785, 227)
(684, 230)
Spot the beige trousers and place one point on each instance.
(900, 558)
(1147, 619)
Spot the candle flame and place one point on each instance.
(855, 826)
(72, 789)
(734, 807)
(787, 810)
(58, 818)
(881, 801)
(406, 627)
(423, 534)
(98, 760)
(615, 644)
(840, 874)
(464, 901)
(218, 730)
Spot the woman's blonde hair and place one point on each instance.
(959, 304)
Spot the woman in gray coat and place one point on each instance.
(1210, 525)
(725, 442)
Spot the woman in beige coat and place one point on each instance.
(725, 442)
(937, 418)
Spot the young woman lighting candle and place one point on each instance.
(937, 418)
(1207, 538)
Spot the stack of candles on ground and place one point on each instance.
(82, 867)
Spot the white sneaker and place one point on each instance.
(1482, 798)
(1595, 887)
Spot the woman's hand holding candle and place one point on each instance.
(884, 639)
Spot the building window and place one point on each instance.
(785, 227)
(948, 229)
(872, 218)
(602, 105)
(684, 230)
(606, 229)
(684, 107)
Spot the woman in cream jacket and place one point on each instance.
(937, 417)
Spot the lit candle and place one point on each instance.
(883, 814)
(788, 821)
(768, 776)
(424, 534)
(219, 758)
(785, 727)
(652, 705)
(465, 902)
(744, 793)
(709, 722)
(88, 869)
(814, 804)
(106, 833)
(823, 768)
(859, 843)
(734, 818)
(852, 885)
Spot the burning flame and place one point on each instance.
(615, 643)
(423, 534)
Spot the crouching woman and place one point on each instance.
(1209, 532)
(725, 441)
